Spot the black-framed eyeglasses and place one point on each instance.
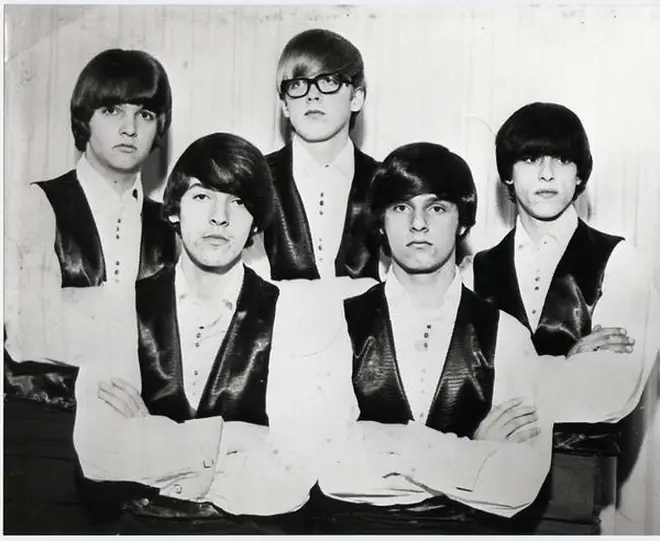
(326, 83)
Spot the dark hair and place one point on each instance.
(543, 129)
(118, 76)
(421, 168)
(226, 163)
(321, 51)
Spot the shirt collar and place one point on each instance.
(398, 298)
(561, 233)
(229, 296)
(344, 162)
(94, 183)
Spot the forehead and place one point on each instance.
(302, 66)
(421, 199)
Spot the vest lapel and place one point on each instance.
(376, 379)
(159, 348)
(288, 241)
(465, 389)
(77, 241)
(574, 291)
(496, 281)
(236, 388)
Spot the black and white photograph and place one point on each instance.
(359, 269)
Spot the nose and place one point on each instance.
(313, 94)
(418, 221)
(218, 214)
(129, 125)
(547, 171)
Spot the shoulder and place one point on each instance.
(495, 249)
(363, 302)
(265, 289)
(279, 157)
(365, 165)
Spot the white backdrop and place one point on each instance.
(445, 74)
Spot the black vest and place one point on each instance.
(465, 389)
(77, 241)
(236, 388)
(79, 251)
(574, 290)
(288, 241)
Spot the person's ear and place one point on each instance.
(285, 108)
(509, 182)
(461, 231)
(357, 101)
(578, 181)
(174, 218)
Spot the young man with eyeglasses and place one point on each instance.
(320, 229)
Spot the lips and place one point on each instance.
(215, 239)
(419, 243)
(315, 113)
(545, 194)
(126, 148)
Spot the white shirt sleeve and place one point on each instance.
(603, 386)
(178, 458)
(270, 470)
(385, 464)
(44, 321)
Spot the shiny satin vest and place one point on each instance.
(77, 241)
(288, 241)
(574, 290)
(465, 389)
(236, 388)
(79, 251)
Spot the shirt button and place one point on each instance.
(320, 248)
(116, 272)
(533, 311)
(536, 288)
(196, 372)
(178, 489)
(198, 335)
(117, 236)
(208, 463)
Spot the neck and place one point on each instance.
(206, 285)
(535, 228)
(427, 290)
(325, 152)
(119, 180)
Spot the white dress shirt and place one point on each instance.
(629, 300)
(44, 321)
(324, 189)
(241, 467)
(401, 464)
(202, 331)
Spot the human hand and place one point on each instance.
(123, 398)
(613, 339)
(509, 421)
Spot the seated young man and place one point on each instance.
(578, 291)
(454, 408)
(80, 242)
(212, 413)
(320, 227)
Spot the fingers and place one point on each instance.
(123, 398)
(110, 397)
(132, 394)
(496, 416)
(614, 339)
(524, 434)
(519, 419)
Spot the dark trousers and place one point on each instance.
(40, 483)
